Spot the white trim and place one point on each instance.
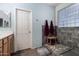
(24, 9)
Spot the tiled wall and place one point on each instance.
(69, 36)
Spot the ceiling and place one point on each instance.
(48, 4)
(51, 4)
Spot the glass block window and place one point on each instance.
(69, 16)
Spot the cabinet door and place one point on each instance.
(0, 47)
(8, 45)
(0, 51)
(5, 51)
(5, 46)
(11, 43)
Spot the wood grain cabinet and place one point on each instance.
(11, 43)
(7, 45)
(1, 47)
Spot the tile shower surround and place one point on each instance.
(68, 36)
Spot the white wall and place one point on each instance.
(39, 12)
(59, 7)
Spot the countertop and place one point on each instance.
(5, 33)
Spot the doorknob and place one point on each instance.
(29, 31)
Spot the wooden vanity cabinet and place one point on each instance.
(0, 47)
(11, 43)
(7, 45)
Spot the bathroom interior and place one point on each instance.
(39, 29)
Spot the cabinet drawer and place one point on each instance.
(0, 43)
(5, 40)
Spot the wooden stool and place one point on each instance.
(50, 38)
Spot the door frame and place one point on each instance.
(26, 10)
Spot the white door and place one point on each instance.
(24, 29)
